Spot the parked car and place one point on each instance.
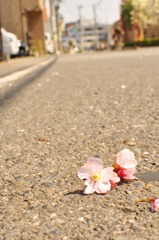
(23, 49)
(10, 43)
(49, 46)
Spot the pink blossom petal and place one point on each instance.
(155, 205)
(127, 174)
(108, 174)
(126, 159)
(88, 182)
(95, 165)
(101, 187)
(84, 172)
(90, 187)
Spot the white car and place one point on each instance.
(49, 46)
(10, 43)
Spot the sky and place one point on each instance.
(107, 11)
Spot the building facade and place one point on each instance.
(26, 19)
(145, 21)
(86, 36)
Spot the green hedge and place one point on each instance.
(144, 43)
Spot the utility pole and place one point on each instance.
(21, 19)
(95, 24)
(80, 26)
(1, 40)
(94, 13)
(108, 34)
(57, 23)
(53, 23)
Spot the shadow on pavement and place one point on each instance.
(10, 93)
(78, 192)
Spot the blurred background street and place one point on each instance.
(40, 27)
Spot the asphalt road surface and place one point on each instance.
(51, 122)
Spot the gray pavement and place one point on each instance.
(84, 105)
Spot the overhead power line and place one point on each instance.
(99, 3)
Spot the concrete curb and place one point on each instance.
(21, 83)
(27, 66)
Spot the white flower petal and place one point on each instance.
(103, 187)
(90, 188)
(95, 165)
(84, 173)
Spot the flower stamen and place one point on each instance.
(96, 177)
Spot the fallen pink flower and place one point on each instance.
(125, 164)
(155, 204)
(97, 179)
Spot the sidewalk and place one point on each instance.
(16, 64)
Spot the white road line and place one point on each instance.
(15, 76)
